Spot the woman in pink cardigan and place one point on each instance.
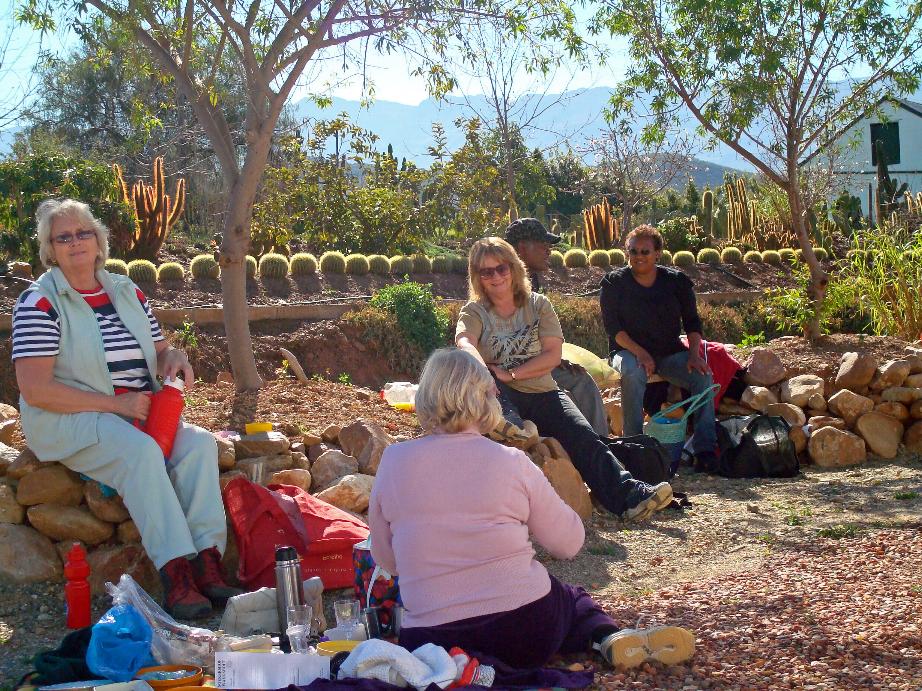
(451, 513)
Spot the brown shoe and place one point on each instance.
(206, 567)
(181, 598)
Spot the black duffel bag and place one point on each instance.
(643, 457)
(756, 446)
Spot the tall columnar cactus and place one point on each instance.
(733, 224)
(603, 229)
(746, 227)
(889, 191)
(707, 206)
(155, 211)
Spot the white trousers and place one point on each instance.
(177, 505)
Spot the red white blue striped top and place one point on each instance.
(37, 333)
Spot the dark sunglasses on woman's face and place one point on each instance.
(67, 238)
(645, 251)
(501, 270)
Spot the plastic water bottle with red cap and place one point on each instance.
(400, 394)
(77, 588)
(165, 410)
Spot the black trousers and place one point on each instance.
(555, 415)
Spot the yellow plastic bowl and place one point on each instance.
(193, 679)
(257, 427)
(333, 647)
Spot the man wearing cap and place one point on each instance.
(532, 242)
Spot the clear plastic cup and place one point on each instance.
(299, 637)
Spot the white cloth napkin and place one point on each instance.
(377, 659)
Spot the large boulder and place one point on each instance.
(758, 398)
(855, 371)
(108, 563)
(915, 410)
(850, 406)
(331, 466)
(799, 438)
(297, 477)
(817, 403)
(110, 509)
(913, 381)
(50, 485)
(914, 358)
(11, 511)
(351, 493)
(27, 556)
(128, 532)
(890, 374)
(7, 455)
(260, 444)
(315, 451)
(330, 434)
(819, 421)
(26, 462)
(894, 410)
(913, 438)
(270, 465)
(793, 414)
(365, 441)
(69, 523)
(569, 485)
(798, 390)
(764, 368)
(615, 416)
(9, 418)
(227, 454)
(901, 394)
(882, 433)
(834, 448)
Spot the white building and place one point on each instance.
(899, 126)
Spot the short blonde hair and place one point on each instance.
(52, 209)
(456, 393)
(502, 251)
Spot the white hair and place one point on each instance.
(456, 393)
(52, 209)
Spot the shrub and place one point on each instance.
(414, 309)
(459, 264)
(616, 257)
(171, 271)
(575, 258)
(117, 266)
(599, 258)
(555, 260)
(798, 255)
(772, 257)
(273, 266)
(142, 271)
(441, 264)
(579, 320)
(721, 323)
(251, 266)
(401, 265)
(357, 264)
(333, 262)
(731, 255)
(421, 263)
(753, 257)
(820, 253)
(709, 256)
(683, 259)
(788, 256)
(303, 264)
(379, 265)
(204, 266)
(665, 258)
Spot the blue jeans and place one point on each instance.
(674, 369)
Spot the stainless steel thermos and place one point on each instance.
(289, 586)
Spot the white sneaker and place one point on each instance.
(632, 647)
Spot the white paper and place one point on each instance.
(268, 670)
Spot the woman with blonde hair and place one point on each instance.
(88, 351)
(515, 334)
(451, 513)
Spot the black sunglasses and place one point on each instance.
(634, 251)
(67, 238)
(500, 270)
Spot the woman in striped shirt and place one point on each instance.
(87, 351)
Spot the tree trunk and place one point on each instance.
(819, 279)
(510, 181)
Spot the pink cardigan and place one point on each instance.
(451, 514)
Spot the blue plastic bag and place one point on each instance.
(120, 644)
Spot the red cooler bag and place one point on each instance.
(263, 518)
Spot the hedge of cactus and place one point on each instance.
(142, 271)
(599, 258)
(204, 266)
(303, 264)
(379, 265)
(171, 271)
(357, 265)
(333, 262)
(683, 259)
(575, 258)
(274, 266)
(708, 255)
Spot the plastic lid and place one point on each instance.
(177, 383)
(286, 554)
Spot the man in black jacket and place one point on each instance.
(644, 307)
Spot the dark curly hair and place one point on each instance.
(645, 231)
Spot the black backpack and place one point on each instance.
(643, 457)
(756, 446)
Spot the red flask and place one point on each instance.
(77, 589)
(163, 419)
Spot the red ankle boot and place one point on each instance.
(181, 598)
(208, 577)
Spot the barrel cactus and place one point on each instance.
(421, 264)
(617, 258)
(665, 258)
(752, 257)
(142, 271)
(788, 256)
(251, 266)
(441, 264)
(458, 264)
(731, 255)
(575, 258)
(170, 271)
(204, 266)
(379, 265)
(401, 265)
(772, 257)
(683, 259)
(599, 258)
(274, 266)
(303, 264)
(333, 262)
(820, 253)
(117, 266)
(357, 264)
(708, 256)
(555, 260)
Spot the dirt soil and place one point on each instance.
(205, 293)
